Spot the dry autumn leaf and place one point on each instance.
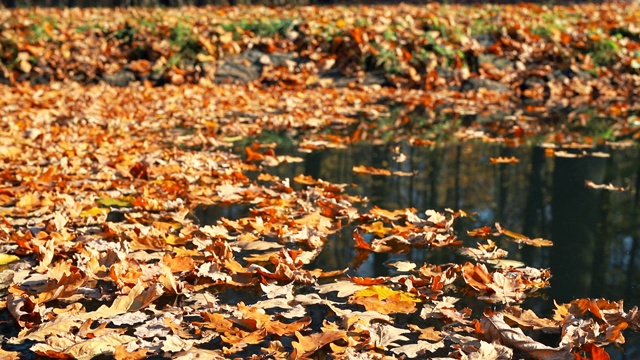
(146, 191)
(521, 239)
(495, 329)
(308, 345)
(504, 160)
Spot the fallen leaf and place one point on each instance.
(495, 329)
(504, 160)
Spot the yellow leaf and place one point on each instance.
(114, 202)
(383, 292)
(6, 259)
(94, 211)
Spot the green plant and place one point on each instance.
(126, 34)
(37, 32)
(181, 35)
(389, 35)
(387, 60)
(603, 51)
(82, 28)
(542, 31)
(262, 28)
(482, 26)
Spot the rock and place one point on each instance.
(338, 79)
(121, 78)
(486, 40)
(477, 83)
(5, 80)
(569, 73)
(283, 59)
(232, 72)
(39, 79)
(445, 72)
(247, 67)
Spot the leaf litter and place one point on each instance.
(102, 252)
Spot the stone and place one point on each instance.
(477, 83)
(121, 78)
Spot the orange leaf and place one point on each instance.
(504, 160)
(360, 243)
(477, 276)
(592, 352)
(361, 169)
(307, 345)
(253, 155)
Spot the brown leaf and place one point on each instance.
(361, 169)
(521, 239)
(504, 160)
(477, 276)
(495, 329)
(308, 345)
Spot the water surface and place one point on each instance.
(596, 233)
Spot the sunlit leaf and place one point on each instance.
(112, 202)
(7, 259)
(521, 239)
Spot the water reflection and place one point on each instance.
(596, 232)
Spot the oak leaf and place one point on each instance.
(308, 345)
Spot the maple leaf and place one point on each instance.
(591, 185)
(491, 351)
(506, 289)
(9, 355)
(274, 290)
(138, 298)
(216, 321)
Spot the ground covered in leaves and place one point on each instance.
(117, 130)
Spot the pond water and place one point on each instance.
(596, 232)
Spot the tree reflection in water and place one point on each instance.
(595, 232)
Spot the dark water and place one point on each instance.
(596, 233)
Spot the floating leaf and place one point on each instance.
(7, 259)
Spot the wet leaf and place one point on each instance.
(496, 329)
(521, 239)
(7, 259)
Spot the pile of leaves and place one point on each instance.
(515, 68)
(105, 252)
(104, 248)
